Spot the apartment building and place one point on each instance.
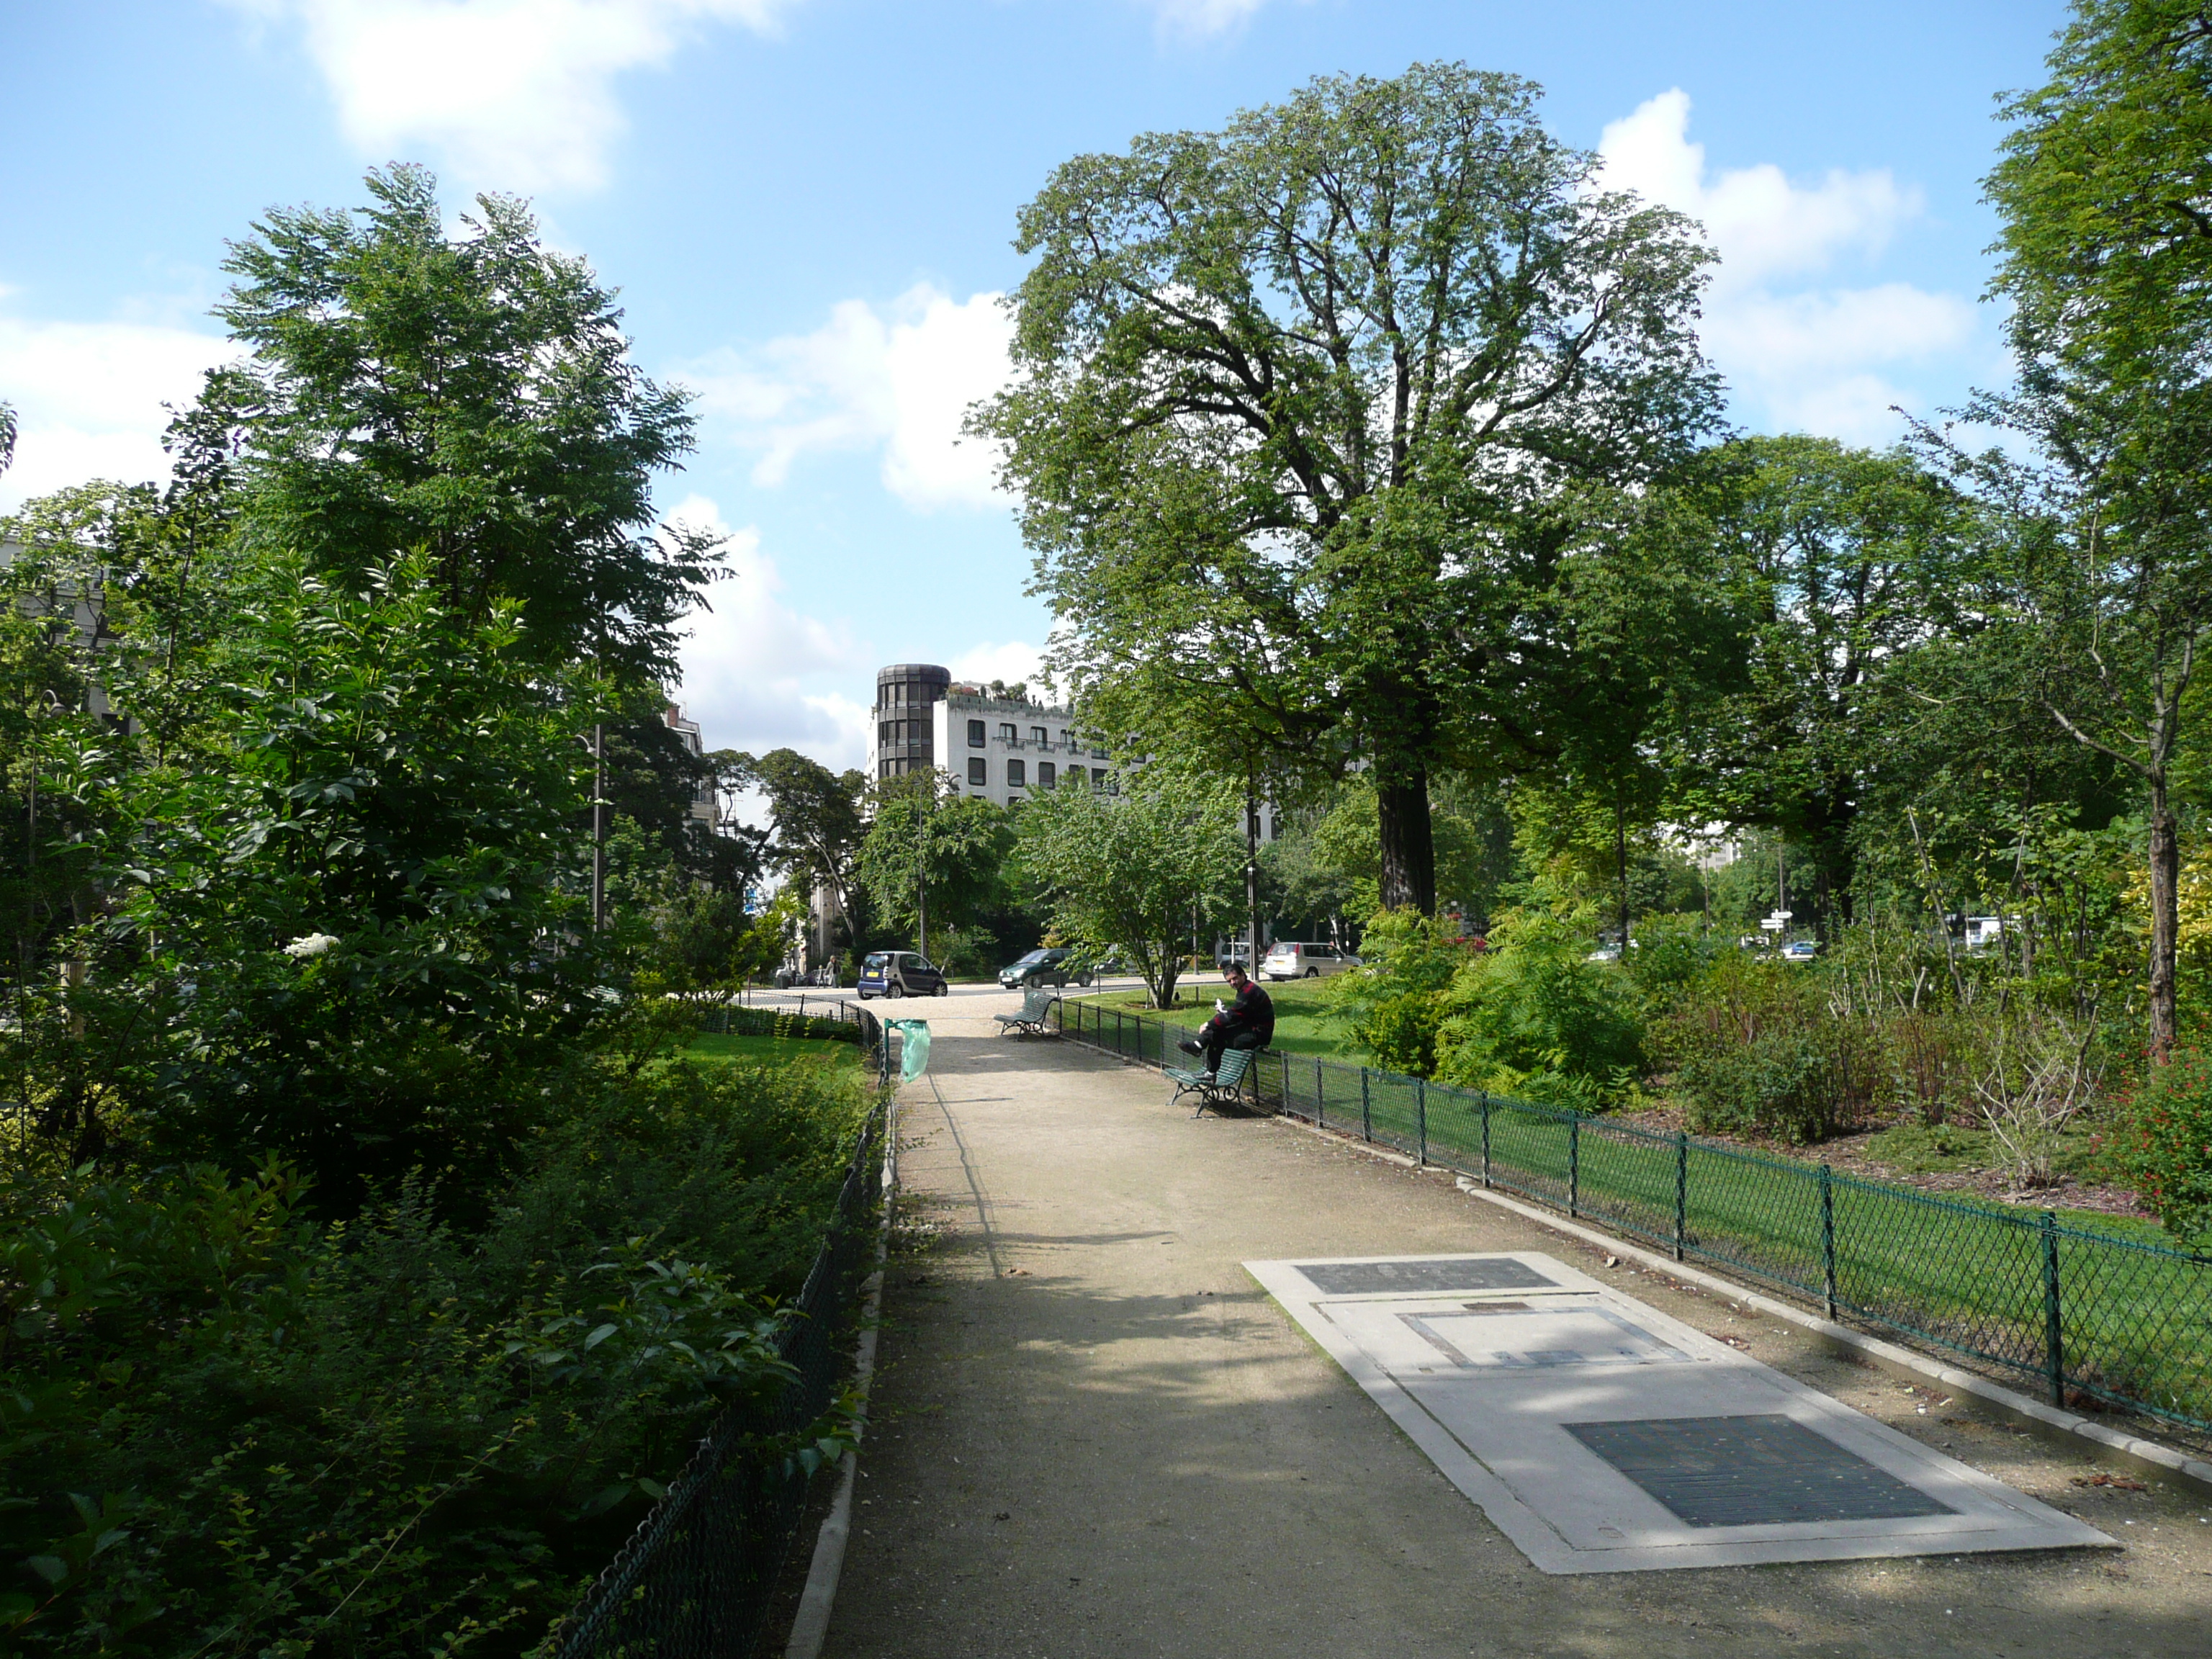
(997, 749)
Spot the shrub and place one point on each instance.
(1531, 1016)
(1393, 1001)
(1670, 955)
(231, 1427)
(2165, 1146)
(1754, 1052)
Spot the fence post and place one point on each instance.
(1681, 1191)
(1486, 1137)
(2053, 1336)
(1321, 1108)
(1421, 1106)
(1575, 1164)
(1366, 1109)
(1828, 1237)
(1286, 1081)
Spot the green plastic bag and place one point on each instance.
(914, 1051)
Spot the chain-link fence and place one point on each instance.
(2090, 1317)
(700, 1575)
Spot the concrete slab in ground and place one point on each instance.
(1095, 1437)
(1602, 1436)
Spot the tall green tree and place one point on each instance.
(817, 814)
(1142, 869)
(2105, 196)
(341, 922)
(1846, 563)
(471, 396)
(1289, 395)
(928, 854)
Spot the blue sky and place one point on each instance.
(808, 206)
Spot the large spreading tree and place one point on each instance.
(1295, 399)
(2106, 259)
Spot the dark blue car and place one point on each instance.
(900, 974)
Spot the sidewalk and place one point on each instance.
(1096, 1436)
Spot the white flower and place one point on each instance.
(311, 944)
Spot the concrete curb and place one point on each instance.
(2147, 1456)
(810, 1627)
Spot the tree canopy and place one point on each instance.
(1296, 402)
(471, 397)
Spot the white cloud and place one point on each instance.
(1014, 660)
(518, 95)
(898, 378)
(1811, 357)
(747, 660)
(89, 396)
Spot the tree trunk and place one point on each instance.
(2164, 917)
(1620, 854)
(1409, 850)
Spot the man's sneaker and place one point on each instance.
(1207, 1077)
(1191, 1047)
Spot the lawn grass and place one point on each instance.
(708, 1048)
(1300, 1028)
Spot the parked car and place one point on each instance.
(900, 974)
(1608, 952)
(1800, 950)
(1054, 967)
(1293, 960)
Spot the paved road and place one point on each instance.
(1096, 1436)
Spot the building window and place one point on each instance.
(1016, 772)
(1046, 775)
(974, 734)
(1098, 754)
(1007, 734)
(1043, 739)
(1067, 742)
(979, 770)
(1098, 777)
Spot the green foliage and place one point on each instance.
(331, 903)
(958, 847)
(705, 947)
(470, 396)
(2165, 1146)
(229, 1427)
(1752, 1055)
(1141, 870)
(1348, 842)
(817, 814)
(1531, 1016)
(1392, 1002)
(1668, 955)
(1300, 398)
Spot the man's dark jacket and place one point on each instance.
(1250, 1010)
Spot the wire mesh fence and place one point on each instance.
(701, 1574)
(2090, 1318)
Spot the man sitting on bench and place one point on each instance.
(1247, 1021)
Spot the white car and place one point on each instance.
(1288, 960)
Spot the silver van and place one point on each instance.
(1290, 959)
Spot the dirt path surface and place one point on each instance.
(1096, 1437)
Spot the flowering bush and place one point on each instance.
(2166, 1147)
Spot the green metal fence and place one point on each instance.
(2090, 1317)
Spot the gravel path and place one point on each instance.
(1096, 1437)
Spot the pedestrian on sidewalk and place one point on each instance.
(1246, 1021)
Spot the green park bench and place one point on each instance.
(1035, 1004)
(1214, 1089)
